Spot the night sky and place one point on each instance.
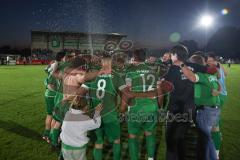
(149, 22)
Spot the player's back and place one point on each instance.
(104, 90)
(142, 78)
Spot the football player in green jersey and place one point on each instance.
(143, 111)
(51, 94)
(58, 72)
(119, 64)
(207, 91)
(49, 101)
(152, 63)
(104, 89)
(56, 82)
(62, 62)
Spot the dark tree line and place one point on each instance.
(6, 49)
(225, 42)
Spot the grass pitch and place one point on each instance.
(22, 114)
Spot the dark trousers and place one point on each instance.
(177, 129)
(175, 134)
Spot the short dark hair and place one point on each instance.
(139, 55)
(77, 62)
(181, 51)
(119, 59)
(212, 55)
(59, 56)
(197, 59)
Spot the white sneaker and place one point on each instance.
(217, 152)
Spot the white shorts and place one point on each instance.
(74, 154)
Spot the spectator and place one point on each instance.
(8, 60)
(229, 63)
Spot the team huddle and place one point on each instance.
(88, 92)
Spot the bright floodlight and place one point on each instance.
(206, 21)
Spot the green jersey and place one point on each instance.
(120, 71)
(104, 89)
(203, 90)
(142, 78)
(48, 92)
(153, 66)
(47, 81)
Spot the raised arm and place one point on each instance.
(126, 95)
(188, 73)
(149, 94)
(212, 69)
(92, 75)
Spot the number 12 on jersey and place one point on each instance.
(149, 77)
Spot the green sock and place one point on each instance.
(60, 155)
(54, 134)
(97, 154)
(116, 151)
(150, 141)
(46, 133)
(133, 148)
(216, 136)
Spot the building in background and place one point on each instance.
(47, 43)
